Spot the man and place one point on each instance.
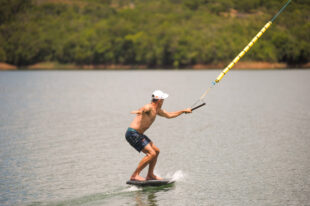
(136, 138)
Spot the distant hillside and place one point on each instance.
(154, 33)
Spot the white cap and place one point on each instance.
(157, 94)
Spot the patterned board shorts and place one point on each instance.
(136, 140)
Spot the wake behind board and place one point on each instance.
(150, 182)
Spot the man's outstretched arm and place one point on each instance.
(170, 115)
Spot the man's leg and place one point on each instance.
(150, 174)
(150, 155)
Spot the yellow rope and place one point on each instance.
(242, 53)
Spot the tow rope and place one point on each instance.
(237, 58)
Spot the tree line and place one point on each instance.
(156, 33)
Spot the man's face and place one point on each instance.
(160, 102)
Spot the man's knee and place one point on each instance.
(152, 154)
(157, 151)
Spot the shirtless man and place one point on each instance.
(136, 138)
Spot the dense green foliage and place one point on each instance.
(151, 32)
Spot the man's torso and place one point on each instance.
(143, 121)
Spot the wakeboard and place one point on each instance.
(150, 182)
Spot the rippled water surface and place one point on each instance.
(62, 138)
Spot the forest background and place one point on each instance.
(151, 33)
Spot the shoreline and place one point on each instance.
(238, 66)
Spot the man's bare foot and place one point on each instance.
(153, 177)
(137, 178)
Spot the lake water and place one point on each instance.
(62, 138)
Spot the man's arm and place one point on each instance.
(142, 110)
(170, 115)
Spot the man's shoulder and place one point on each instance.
(161, 111)
(147, 107)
